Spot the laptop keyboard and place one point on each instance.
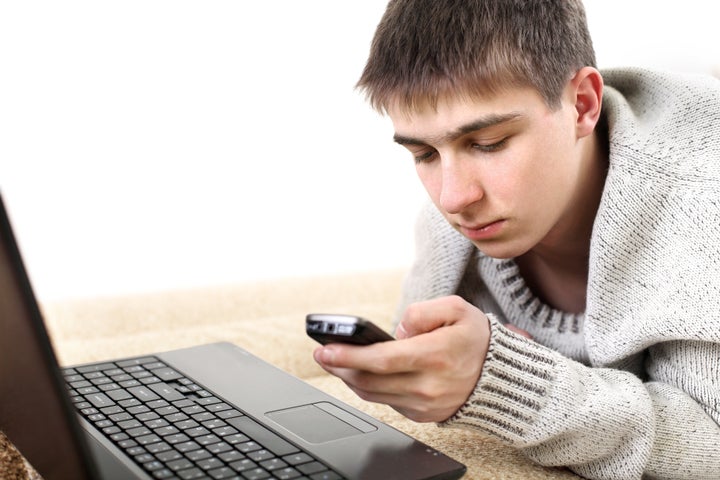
(174, 428)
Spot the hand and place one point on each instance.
(518, 330)
(429, 372)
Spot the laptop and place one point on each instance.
(211, 411)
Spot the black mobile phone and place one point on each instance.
(337, 328)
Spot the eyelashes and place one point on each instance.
(483, 148)
(491, 147)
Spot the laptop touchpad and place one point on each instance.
(320, 422)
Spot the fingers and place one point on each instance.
(384, 358)
(518, 330)
(423, 317)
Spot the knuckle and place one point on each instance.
(364, 382)
(363, 395)
(457, 304)
(412, 311)
(382, 366)
(428, 394)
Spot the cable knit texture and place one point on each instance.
(631, 388)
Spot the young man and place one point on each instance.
(566, 293)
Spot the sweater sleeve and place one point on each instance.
(602, 423)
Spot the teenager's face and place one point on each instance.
(503, 170)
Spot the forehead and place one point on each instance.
(454, 111)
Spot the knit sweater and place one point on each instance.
(630, 388)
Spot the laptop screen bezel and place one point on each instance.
(36, 413)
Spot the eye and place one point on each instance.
(425, 156)
(490, 147)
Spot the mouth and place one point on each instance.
(484, 231)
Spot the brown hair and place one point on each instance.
(426, 49)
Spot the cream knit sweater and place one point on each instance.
(631, 388)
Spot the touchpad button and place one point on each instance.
(320, 422)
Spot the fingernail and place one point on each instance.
(323, 355)
(317, 355)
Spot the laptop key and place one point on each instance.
(87, 390)
(231, 456)
(118, 395)
(207, 439)
(129, 443)
(129, 402)
(209, 463)
(288, 473)
(218, 448)
(188, 446)
(95, 368)
(196, 455)
(218, 407)
(221, 473)
(273, 464)
(156, 404)
(326, 476)
(197, 431)
(179, 464)
(169, 456)
(236, 438)
(191, 474)
(165, 431)
(107, 387)
(158, 447)
(229, 414)
(298, 458)
(311, 468)
(154, 465)
(128, 424)
(147, 439)
(243, 465)
(157, 423)
(261, 455)
(136, 361)
(177, 438)
(256, 474)
(138, 432)
(163, 473)
(144, 393)
(248, 447)
(167, 374)
(150, 380)
(144, 458)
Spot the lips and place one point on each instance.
(482, 232)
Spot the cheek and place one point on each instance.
(527, 182)
(546, 184)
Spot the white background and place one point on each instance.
(151, 145)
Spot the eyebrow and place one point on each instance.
(474, 126)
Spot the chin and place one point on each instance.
(501, 250)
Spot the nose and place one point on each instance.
(460, 186)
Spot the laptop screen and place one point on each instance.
(34, 413)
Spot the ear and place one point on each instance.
(586, 89)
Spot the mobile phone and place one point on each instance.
(338, 328)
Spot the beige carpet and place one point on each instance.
(267, 319)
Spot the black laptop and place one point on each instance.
(208, 412)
